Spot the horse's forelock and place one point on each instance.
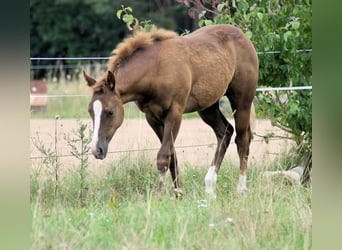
(98, 87)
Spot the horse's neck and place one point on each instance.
(137, 73)
(132, 82)
(128, 97)
(128, 92)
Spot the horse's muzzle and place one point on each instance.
(99, 152)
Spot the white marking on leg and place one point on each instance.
(178, 192)
(241, 187)
(210, 182)
(97, 107)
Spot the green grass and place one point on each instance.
(121, 211)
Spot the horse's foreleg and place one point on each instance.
(158, 128)
(166, 155)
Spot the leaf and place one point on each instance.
(129, 9)
(243, 6)
(208, 22)
(118, 14)
(287, 34)
(260, 16)
(249, 34)
(295, 24)
(128, 19)
(221, 6)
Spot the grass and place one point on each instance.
(121, 211)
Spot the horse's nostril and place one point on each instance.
(100, 150)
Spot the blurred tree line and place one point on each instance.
(90, 28)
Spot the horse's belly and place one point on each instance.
(192, 105)
(205, 92)
(202, 99)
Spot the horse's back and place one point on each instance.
(224, 39)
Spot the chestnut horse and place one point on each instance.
(168, 75)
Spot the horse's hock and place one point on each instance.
(38, 95)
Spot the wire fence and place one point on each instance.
(105, 58)
(156, 149)
(308, 87)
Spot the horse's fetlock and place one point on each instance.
(162, 168)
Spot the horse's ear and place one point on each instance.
(110, 80)
(89, 80)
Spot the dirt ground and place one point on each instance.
(195, 143)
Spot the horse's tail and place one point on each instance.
(252, 118)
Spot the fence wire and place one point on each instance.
(107, 57)
(308, 87)
(153, 149)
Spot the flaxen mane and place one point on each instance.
(139, 40)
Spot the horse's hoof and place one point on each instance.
(242, 190)
(178, 193)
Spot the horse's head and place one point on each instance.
(106, 111)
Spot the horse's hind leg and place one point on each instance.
(242, 109)
(223, 131)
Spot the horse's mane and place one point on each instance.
(138, 41)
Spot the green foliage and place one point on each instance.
(132, 23)
(79, 144)
(274, 27)
(283, 28)
(50, 162)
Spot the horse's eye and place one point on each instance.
(110, 113)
